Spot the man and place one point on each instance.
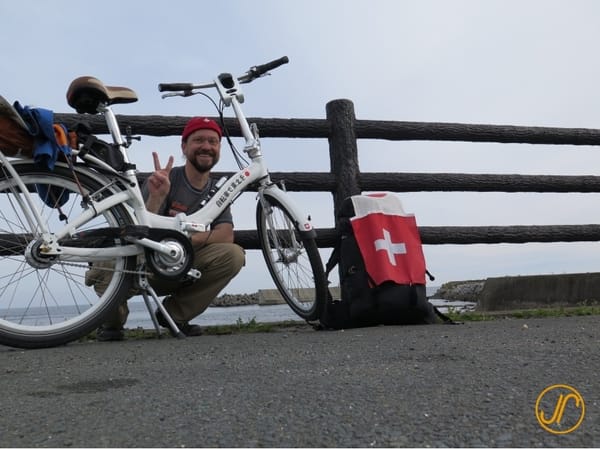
(168, 191)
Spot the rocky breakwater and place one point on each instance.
(228, 300)
(460, 290)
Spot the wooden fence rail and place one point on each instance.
(344, 177)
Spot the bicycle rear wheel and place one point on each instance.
(292, 258)
(47, 302)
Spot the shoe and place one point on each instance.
(190, 330)
(109, 334)
(187, 329)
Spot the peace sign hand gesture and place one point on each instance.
(158, 183)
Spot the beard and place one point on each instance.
(204, 164)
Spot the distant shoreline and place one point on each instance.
(489, 294)
(247, 299)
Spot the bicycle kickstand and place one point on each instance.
(147, 291)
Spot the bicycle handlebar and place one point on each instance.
(169, 87)
(260, 70)
(253, 73)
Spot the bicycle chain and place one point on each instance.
(138, 272)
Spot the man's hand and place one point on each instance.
(158, 183)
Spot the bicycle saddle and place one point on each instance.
(86, 93)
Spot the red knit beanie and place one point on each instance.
(197, 123)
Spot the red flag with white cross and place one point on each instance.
(388, 239)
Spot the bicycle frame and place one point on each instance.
(129, 193)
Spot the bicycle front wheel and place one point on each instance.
(292, 258)
(47, 302)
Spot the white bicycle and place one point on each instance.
(89, 210)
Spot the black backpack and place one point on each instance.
(363, 302)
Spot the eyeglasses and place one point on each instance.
(199, 140)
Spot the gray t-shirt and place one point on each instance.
(183, 197)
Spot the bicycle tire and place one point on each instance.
(49, 304)
(292, 258)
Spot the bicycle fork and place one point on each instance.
(283, 234)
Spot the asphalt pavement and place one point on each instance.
(474, 384)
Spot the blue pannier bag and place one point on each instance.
(50, 143)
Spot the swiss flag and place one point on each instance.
(388, 240)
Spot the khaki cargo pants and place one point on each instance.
(218, 263)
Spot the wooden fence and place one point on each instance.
(344, 178)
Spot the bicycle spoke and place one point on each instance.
(295, 267)
(46, 301)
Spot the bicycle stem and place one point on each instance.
(251, 141)
(231, 94)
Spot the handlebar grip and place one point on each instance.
(264, 68)
(173, 87)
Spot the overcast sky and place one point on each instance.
(491, 62)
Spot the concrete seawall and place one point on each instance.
(269, 297)
(526, 292)
(523, 292)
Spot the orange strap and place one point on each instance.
(60, 134)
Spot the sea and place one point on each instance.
(139, 317)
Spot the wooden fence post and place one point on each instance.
(343, 150)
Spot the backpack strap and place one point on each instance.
(445, 318)
(334, 259)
